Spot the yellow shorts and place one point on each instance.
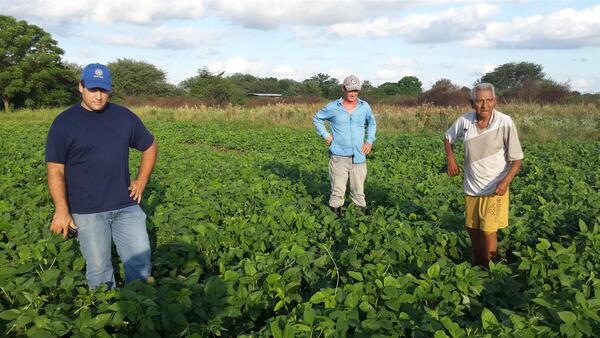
(487, 213)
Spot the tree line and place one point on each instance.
(33, 74)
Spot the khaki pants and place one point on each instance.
(340, 169)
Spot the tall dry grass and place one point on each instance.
(535, 122)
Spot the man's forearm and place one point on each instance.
(321, 130)
(147, 163)
(448, 149)
(319, 121)
(371, 128)
(58, 190)
(514, 169)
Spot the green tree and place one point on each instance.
(388, 89)
(330, 87)
(310, 88)
(289, 87)
(367, 88)
(511, 76)
(31, 71)
(407, 86)
(138, 78)
(212, 88)
(251, 84)
(74, 68)
(268, 85)
(410, 86)
(244, 82)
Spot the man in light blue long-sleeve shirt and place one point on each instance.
(350, 118)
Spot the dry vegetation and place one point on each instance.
(544, 123)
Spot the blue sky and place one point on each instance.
(379, 40)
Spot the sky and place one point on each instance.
(378, 40)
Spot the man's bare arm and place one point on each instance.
(147, 164)
(62, 220)
(453, 169)
(502, 186)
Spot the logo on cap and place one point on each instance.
(98, 73)
(353, 81)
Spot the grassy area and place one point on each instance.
(543, 123)
(243, 243)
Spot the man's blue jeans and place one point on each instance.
(127, 228)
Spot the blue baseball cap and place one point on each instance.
(96, 75)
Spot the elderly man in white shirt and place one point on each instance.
(493, 156)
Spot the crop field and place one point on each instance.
(244, 244)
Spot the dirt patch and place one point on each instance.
(225, 149)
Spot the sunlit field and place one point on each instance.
(243, 243)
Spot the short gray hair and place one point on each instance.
(480, 87)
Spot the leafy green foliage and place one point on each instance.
(212, 88)
(526, 82)
(407, 86)
(244, 245)
(329, 87)
(138, 78)
(252, 84)
(512, 75)
(31, 72)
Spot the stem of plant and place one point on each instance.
(337, 271)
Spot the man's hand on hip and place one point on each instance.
(61, 222)
(366, 148)
(502, 187)
(329, 140)
(136, 189)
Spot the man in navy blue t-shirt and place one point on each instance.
(87, 154)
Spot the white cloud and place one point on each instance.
(474, 25)
(284, 72)
(480, 70)
(389, 75)
(260, 14)
(341, 73)
(582, 85)
(261, 68)
(563, 29)
(81, 53)
(448, 25)
(160, 37)
(270, 14)
(310, 37)
(393, 69)
(106, 11)
(395, 61)
(238, 64)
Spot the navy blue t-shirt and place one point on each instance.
(94, 147)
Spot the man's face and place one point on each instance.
(350, 95)
(484, 103)
(93, 99)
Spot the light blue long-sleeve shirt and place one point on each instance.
(348, 129)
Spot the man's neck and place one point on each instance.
(85, 107)
(484, 121)
(349, 103)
